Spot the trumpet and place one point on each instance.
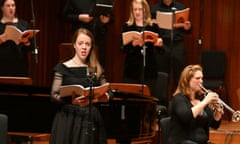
(235, 114)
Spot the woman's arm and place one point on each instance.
(181, 107)
(57, 81)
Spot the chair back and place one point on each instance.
(213, 63)
(162, 88)
(3, 128)
(164, 125)
(66, 51)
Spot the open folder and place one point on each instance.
(165, 19)
(16, 35)
(69, 90)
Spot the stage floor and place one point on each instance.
(228, 133)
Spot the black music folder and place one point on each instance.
(102, 9)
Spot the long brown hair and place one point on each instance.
(186, 75)
(91, 60)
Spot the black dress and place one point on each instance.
(133, 66)
(174, 59)
(14, 58)
(71, 123)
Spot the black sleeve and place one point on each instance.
(154, 9)
(69, 14)
(181, 108)
(212, 122)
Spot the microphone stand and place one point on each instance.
(91, 128)
(35, 51)
(143, 51)
(200, 39)
(172, 41)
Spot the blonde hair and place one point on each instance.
(186, 75)
(146, 16)
(91, 60)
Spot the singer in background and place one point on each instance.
(193, 113)
(174, 58)
(134, 70)
(81, 13)
(70, 125)
(13, 57)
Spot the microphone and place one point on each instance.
(174, 9)
(93, 76)
(35, 52)
(87, 72)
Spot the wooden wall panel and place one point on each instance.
(219, 30)
(234, 57)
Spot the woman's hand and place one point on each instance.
(137, 41)
(80, 100)
(186, 25)
(103, 98)
(3, 38)
(27, 43)
(211, 98)
(214, 103)
(159, 42)
(86, 18)
(217, 108)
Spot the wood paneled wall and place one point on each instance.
(215, 21)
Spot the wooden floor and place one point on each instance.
(228, 133)
(43, 138)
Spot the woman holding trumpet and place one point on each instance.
(192, 113)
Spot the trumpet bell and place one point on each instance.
(236, 116)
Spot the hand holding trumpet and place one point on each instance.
(235, 114)
(214, 102)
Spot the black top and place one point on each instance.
(184, 126)
(166, 34)
(134, 58)
(13, 58)
(73, 75)
(72, 122)
(76, 75)
(75, 7)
